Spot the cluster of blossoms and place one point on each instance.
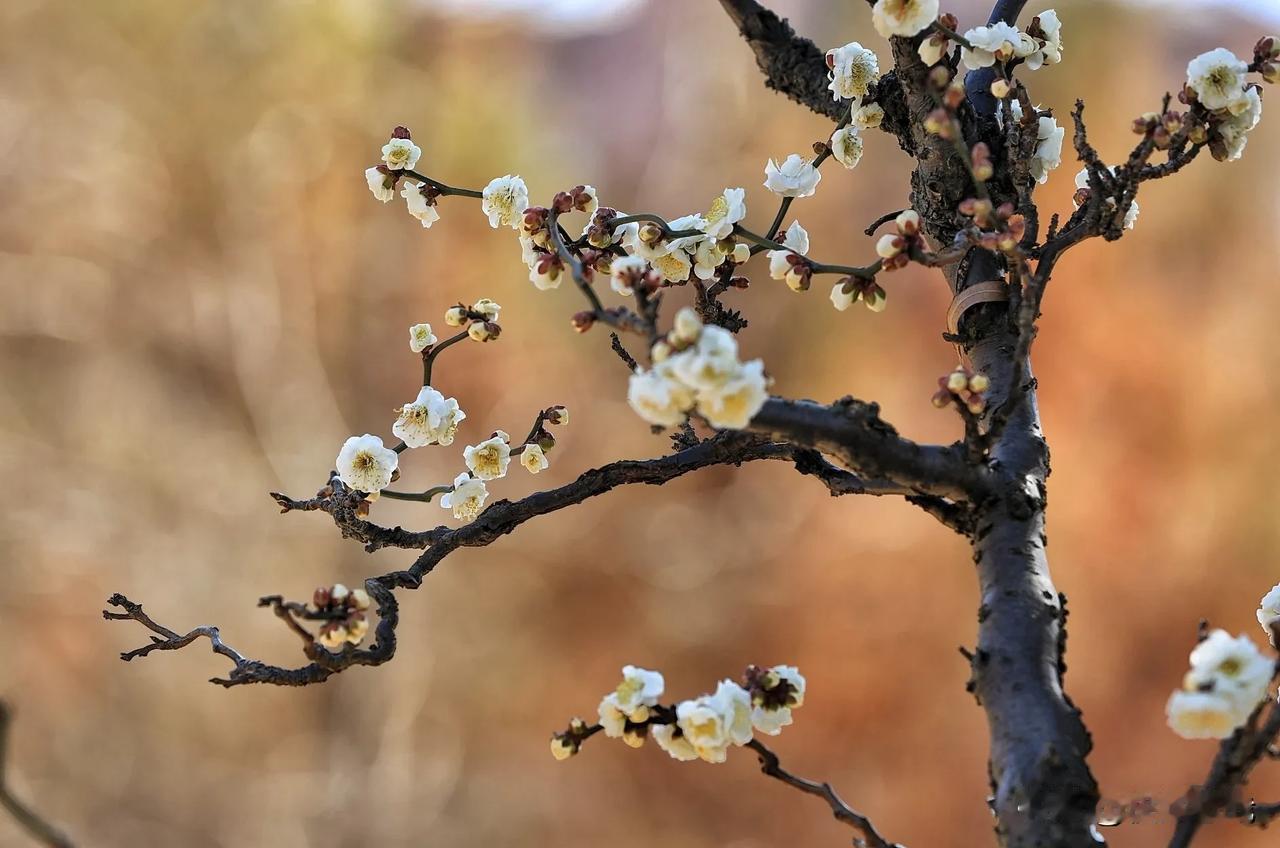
(701, 728)
(964, 387)
(1228, 679)
(480, 319)
(399, 155)
(1004, 43)
(343, 610)
(368, 466)
(894, 249)
(697, 368)
(1082, 196)
(853, 71)
(1232, 107)
(1049, 138)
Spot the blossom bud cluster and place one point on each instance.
(1229, 106)
(853, 71)
(963, 387)
(1001, 228)
(702, 728)
(344, 612)
(696, 368)
(895, 249)
(1002, 43)
(480, 319)
(1227, 681)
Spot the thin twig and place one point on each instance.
(770, 765)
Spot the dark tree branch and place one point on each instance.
(499, 519)
(770, 765)
(853, 432)
(1230, 771)
(791, 65)
(32, 822)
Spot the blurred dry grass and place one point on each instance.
(200, 301)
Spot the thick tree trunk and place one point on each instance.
(1043, 792)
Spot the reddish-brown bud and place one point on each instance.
(400, 132)
(583, 321)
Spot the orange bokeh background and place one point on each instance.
(201, 301)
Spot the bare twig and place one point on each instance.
(770, 765)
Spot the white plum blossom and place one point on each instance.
(673, 266)
(489, 459)
(734, 404)
(795, 177)
(903, 17)
(431, 418)
(846, 146)
(711, 723)
(639, 690)
(504, 201)
(1201, 715)
(854, 69)
(771, 719)
(687, 326)
(658, 397)
(1218, 79)
(707, 257)
(1269, 611)
(467, 498)
(708, 364)
(381, 184)
(867, 117)
(1235, 128)
(673, 742)
(1048, 49)
(421, 337)
(486, 307)
(365, 464)
(400, 153)
(726, 210)
(1130, 217)
(1049, 137)
(533, 458)
(1234, 668)
(841, 299)
(998, 42)
(623, 270)
(796, 241)
(418, 205)
(1229, 678)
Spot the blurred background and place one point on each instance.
(201, 301)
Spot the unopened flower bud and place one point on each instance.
(940, 76)
(456, 316)
(338, 594)
(661, 350)
(561, 748)
(741, 253)
(1000, 89)
(979, 383)
(687, 326)
(957, 381)
(650, 233)
(908, 222)
(633, 737)
(558, 415)
(941, 398)
(483, 331)
(889, 246)
(583, 321)
(320, 597)
(360, 599)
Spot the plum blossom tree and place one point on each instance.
(960, 103)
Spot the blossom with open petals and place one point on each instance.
(533, 458)
(419, 205)
(365, 464)
(489, 459)
(400, 153)
(504, 201)
(998, 42)
(1218, 79)
(846, 146)
(467, 498)
(903, 17)
(854, 69)
(726, 210)
(421, 337)
(795, 177)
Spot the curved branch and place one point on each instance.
(791, 65)
(853, 432)
(725, 448)
(770, 765)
